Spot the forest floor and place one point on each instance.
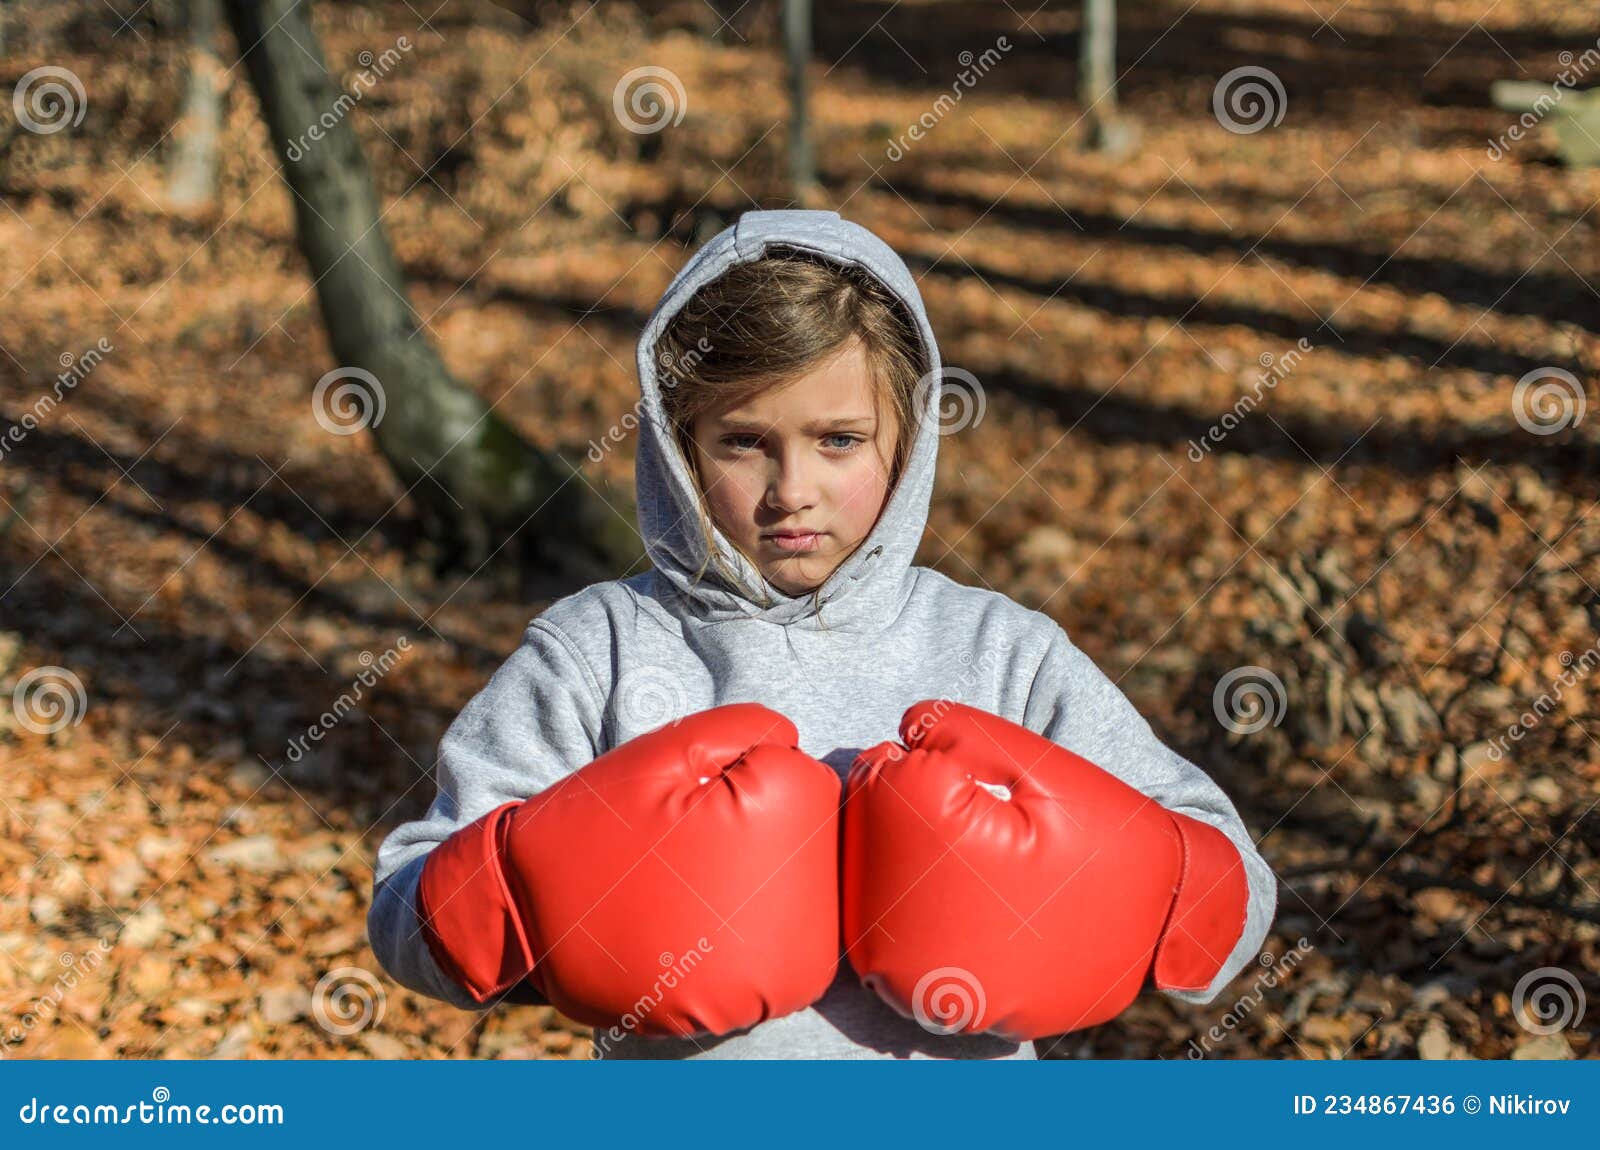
(1390, 530)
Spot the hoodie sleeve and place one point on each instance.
(535, 721)
(1073, 703)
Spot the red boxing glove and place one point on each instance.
(995, 881)
(687, 881)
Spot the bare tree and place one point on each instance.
(480, 489)
(797, 52)
(194, 166)
(1097, 78)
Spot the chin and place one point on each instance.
(795, 590)
(793, 583)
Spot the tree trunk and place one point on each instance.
(1097, 78)
(797, 51)
(480, 490)
(194, 168)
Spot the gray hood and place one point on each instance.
(868, 589)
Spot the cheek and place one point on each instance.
(731, 494)
(861, 494)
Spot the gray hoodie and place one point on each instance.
(619, 658)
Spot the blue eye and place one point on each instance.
(839, 441)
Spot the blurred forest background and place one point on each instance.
(1281, 354)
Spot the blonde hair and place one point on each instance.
(765, 323)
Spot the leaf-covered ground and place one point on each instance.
(1404, 566)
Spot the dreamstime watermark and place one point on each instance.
(1248, 99)
(48, 99)
(45, 1006)
(156, 1112)
(924, 723)
(1248, 699)
(948, 1000)
(1577, 667)
(973, 69)
(1246, 1003)
(348, 1000)
(1548, 400)
(1557, 997)
(1565, 81)
(347, 400)
(1278, 369)
(649, 99)
(77, 369)
(649, 697)
(670, 372)
(674, 369)
(987, 663)
(968, 402)
(346, 702)
(373, 69)
(673, 970)
(49, 699)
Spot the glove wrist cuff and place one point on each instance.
(467, 913)
(1208, 909)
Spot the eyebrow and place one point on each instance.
(811, 428)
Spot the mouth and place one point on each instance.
(795, 541)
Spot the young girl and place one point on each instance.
(788, 437)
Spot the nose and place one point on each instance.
(792, 485)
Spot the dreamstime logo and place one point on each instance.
(948, 999)
(965, 79)
(1548, 400)
(47, 699)
(988, 663)
(1246, 1003)
(671, 371)
(1546, 102)
(649, 697)
(673, 970)
(49, 99)
(1248, 699)
(76, 966)
(155, 1112)
(1558, 1000)
(348, 399)
(959, 408)
(344, 704)
(346, 1000)
(76, 370)
(674, 369)
(1547, 701)
(1277, 370)
(1248, 99)
(648, 99)
(363, 82)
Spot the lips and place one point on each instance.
(795, 540)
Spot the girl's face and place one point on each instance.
(797, 476)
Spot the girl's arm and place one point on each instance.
(535, 721)
(1073, 703)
